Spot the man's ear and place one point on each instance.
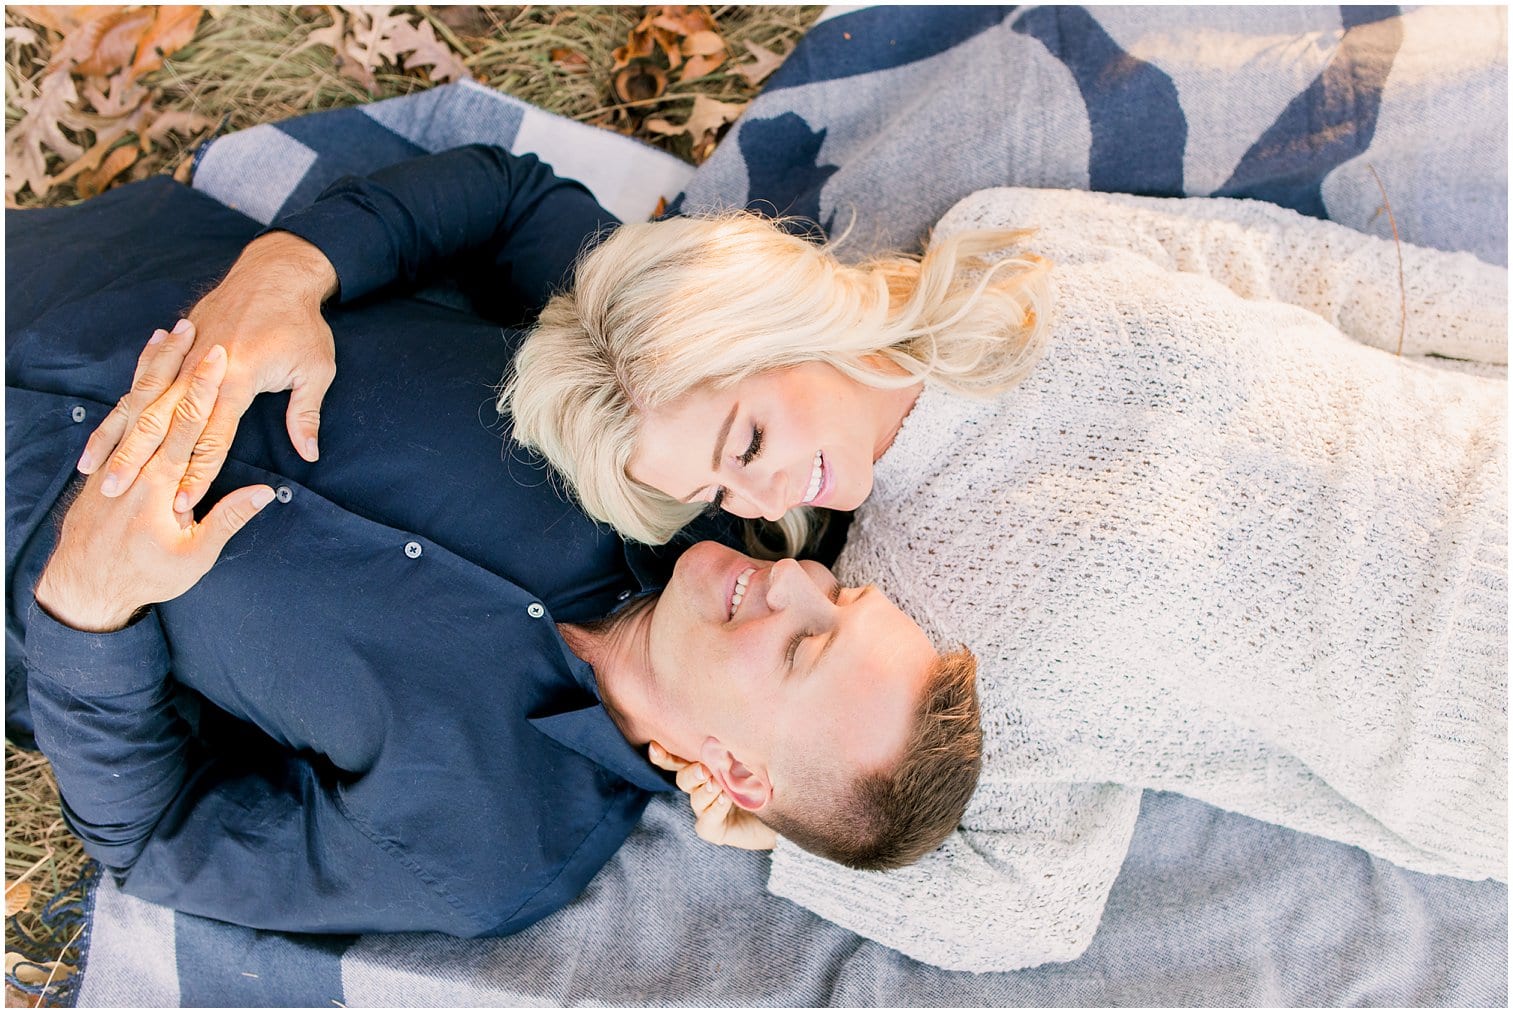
(747, 787)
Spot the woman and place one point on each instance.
(1209, 543)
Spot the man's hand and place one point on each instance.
(266, 314)
(716, 819)
(116, 556)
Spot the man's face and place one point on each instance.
(774, 664)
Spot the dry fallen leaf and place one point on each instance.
(96, 180)
(569, 60)
(762, 67)
(62, 18)
(17, 897)
(680, 20)
(703, 44)
(639, 45)
(169, 32)
(112, 41)
(698, 66)
(35, 972)
(418, 46)
(41, 130)
(665, 127)
(703, 125)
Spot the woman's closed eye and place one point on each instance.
(752, 450)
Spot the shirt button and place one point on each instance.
(283, 494)
(78, 414)
(413, 550)
(623, 595)
(534, 610)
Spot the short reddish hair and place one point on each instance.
(888, 819)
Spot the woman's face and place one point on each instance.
(804, 435)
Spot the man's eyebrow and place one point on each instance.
(719, 446)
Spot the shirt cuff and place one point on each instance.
(354, 239)
(97, 664)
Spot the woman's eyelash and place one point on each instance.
(793, 648)
(835, 593)
(756, 446)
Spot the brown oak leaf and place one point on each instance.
(112, 41)
(569, 60)
(698, 66)
(682, 20)
(169, 32)
(97, 179)
(61, 18)
(418, 46)
(41, 130)
(762, 67)
(706, 121)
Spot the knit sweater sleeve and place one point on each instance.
(1023, 882)
(1446, 304)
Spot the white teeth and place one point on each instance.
(740, 590)
(816, 477)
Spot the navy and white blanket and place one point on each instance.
(878, 122)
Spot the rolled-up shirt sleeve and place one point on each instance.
(517, 225)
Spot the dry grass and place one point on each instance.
(249, 65)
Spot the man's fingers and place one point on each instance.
(192, 413)
(229, 516)
(691, 776)
(213, 445)
(710, 821)
(705, 796)
(303, 418)
(157, 368)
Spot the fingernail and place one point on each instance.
(109, 484)
(182, 327)
(216, 354)
(181, 502)
(157, 336)
(86, 462)
(312, 452)
(262, 497)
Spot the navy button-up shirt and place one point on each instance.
(363, 718)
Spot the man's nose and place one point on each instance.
(789, 588)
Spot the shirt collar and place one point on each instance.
(591, 732)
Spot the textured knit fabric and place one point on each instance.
(1212, 544)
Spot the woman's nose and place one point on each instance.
(772, 500)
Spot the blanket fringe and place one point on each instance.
(63, 940)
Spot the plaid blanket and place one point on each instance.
(878, 122)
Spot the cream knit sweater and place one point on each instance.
(1213, 544)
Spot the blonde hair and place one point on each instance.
(661, 308)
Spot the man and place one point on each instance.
(393, 703)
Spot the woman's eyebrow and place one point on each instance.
(719, 445)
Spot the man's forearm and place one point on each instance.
(289, 264)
